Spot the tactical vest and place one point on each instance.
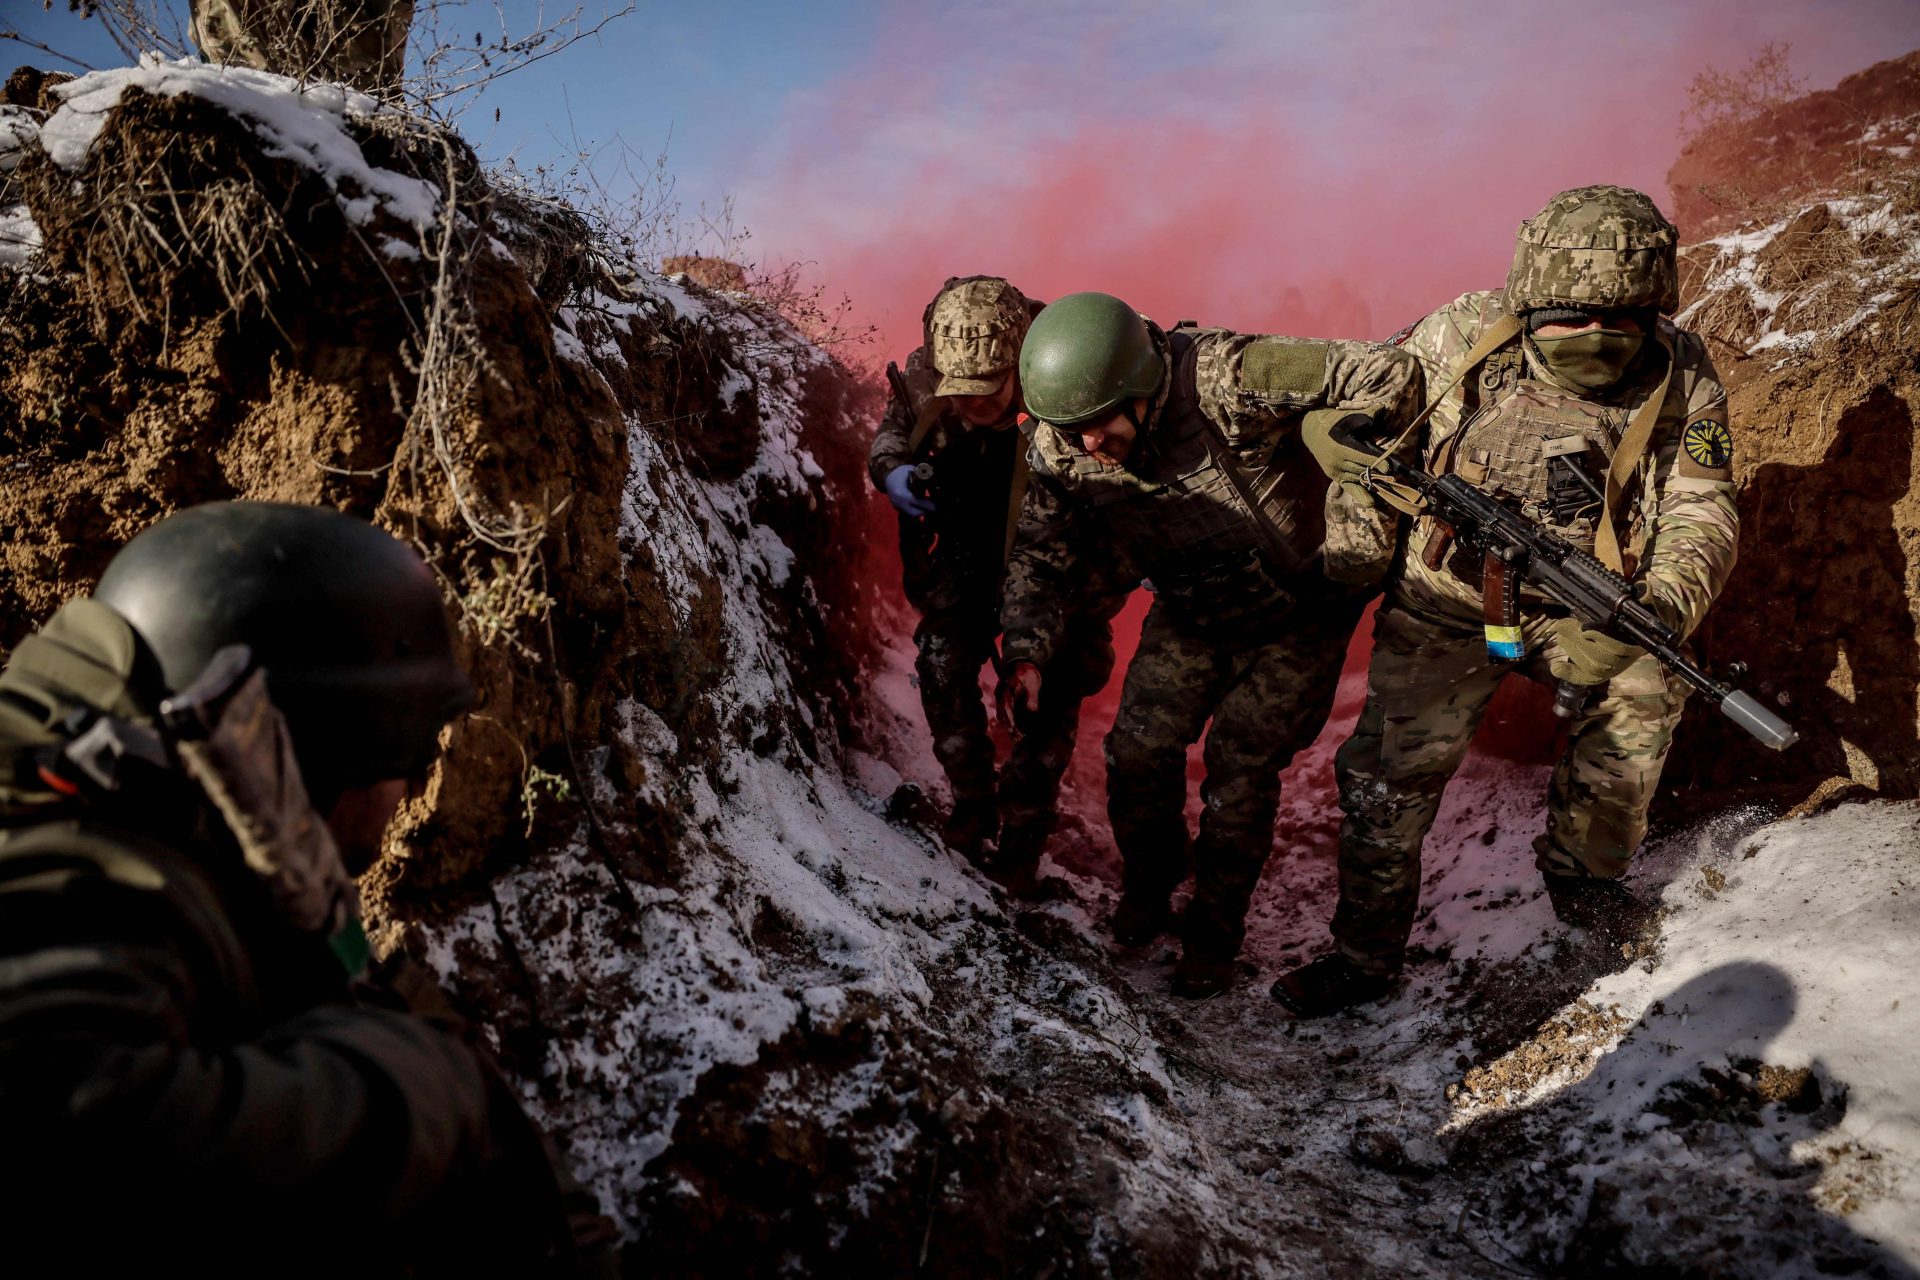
(1223, 537)
(1542, 450)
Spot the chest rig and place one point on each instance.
(1561, 460)
(1221, 532)
(1543, 451)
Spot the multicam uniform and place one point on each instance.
(955, 565)
(1431, 675)
(1244, 628)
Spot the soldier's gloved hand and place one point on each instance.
(1587, 657)
(904, 499)
(1341, 464)
(1018, 691)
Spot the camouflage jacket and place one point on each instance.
(1252, 391)
(1680, 523)
(187, 1076)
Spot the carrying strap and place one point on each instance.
(1398, 496)
(1288, 556)
(930, 413)
(1017, 493)
(1626, 460)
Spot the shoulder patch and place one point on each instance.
(1283, 367)
(1399, 338)
(1708, 446)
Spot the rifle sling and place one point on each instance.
(1288, 557)
(1401, 497)
(1626, 460)
(1016, 496)
(930, 413)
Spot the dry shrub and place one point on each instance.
(1723, 98)
(140, 239)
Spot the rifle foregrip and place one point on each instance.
(1770, 729)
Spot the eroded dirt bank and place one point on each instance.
(772, 1023)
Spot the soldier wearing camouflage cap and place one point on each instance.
(1571, 382)
(1178, 456)
(955, 418)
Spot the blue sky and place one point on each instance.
(1331, 162)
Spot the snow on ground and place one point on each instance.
(304, 122)
(1527, 1101)
(1823, 271)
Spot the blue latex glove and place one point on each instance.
(906, 500)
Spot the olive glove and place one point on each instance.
(1344, 465)
(1587, 657)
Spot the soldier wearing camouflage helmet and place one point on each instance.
(201, 1062)
(955, 417)
(1178, 456)
(1571, 382)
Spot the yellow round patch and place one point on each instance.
(1709, 443)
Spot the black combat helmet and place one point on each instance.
(346, 620)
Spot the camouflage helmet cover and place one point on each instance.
(974, 331)
(1601, 246)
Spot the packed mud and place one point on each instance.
(683, 862)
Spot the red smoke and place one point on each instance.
(1344, 200)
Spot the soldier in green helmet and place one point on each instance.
(200, 1062)
(1178, 456)
(1574, 398)
(955, 417)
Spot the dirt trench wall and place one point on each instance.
(222, 306)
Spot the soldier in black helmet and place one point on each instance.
(195, 1052)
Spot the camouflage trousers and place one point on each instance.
(1427, 687)
(1267, 695)
(955, 640)
(360, 42)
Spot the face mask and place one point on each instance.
(1594, 359)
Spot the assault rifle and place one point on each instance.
(1518, 550)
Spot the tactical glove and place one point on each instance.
(1587, 657)
(1018, 692)
(1341, 464)
(904, 499)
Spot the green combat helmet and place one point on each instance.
(974, 329)
(1595, 247)
(1084, 356)
(345, 619)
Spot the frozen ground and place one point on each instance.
(1733, 1099)
(819, 1031)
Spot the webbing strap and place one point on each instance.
(1626, 459)
(1016, 496)
(1399, 496)
(930, 413)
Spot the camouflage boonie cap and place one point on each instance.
(1595, 247)
(974, 333)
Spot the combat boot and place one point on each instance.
(1142, 916)
(1015, 863)
(1604, 908)
(1199, 976)
(972, 822)
(1328, 985)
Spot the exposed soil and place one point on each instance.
(775, 1026)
